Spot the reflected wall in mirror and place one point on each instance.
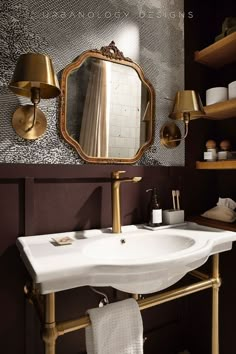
(107, 107)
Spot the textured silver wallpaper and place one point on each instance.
(148, 31)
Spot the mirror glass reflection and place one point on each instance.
(108, 109)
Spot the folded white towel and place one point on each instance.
(220, 213)
(116, 328)
(227, 202)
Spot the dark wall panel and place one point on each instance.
(10, 216)
(12, 272)
(199, 33)
(48, 199)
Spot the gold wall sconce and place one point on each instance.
(187, 106)
(34, 77)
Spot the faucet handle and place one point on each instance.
(116, 174)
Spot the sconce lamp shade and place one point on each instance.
(34, 77)
(34, 70)
(187, 106)
(187, 101)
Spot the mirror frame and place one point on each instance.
(112, 54)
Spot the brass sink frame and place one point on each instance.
(51, 330)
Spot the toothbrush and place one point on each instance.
(173, 198)
(177, 192)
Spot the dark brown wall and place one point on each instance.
(37, 199)
(199, 33)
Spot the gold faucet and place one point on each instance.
(116, 181)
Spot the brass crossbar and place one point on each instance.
(83, 322)
(52, 330)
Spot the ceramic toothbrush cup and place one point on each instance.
(172, 216)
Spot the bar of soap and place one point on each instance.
(66, 240)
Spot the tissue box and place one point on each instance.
(172, 216)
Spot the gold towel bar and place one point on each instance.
(52, 330)
(83, 322)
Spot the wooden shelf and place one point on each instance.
(218, 54)
(213, 223)
(216, 165)
(221, 110)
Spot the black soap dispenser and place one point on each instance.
(155, 211)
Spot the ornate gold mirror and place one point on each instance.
(107, 107)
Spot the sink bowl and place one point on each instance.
(136, 261)
(137, 248)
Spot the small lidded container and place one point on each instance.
(210, 154)
(224, 153)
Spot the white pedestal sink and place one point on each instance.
(136, 261)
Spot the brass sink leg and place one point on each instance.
(215, 304)
(50, 334)
(34, 297)
(51, 330)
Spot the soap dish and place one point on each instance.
(66, 240)
(153, 228)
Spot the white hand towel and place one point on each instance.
(116, 328)
(227, 202)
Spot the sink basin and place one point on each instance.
(136, 261)
(137, 248)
